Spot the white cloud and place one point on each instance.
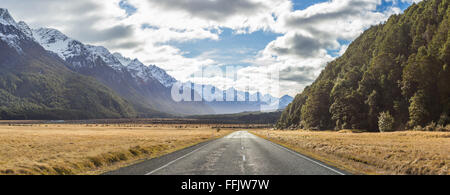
(303, 51)
(300, 54)
(243, 15)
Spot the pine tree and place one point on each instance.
(386, 122)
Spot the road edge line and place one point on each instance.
(184, 156)
(315, 161)
(307, 158)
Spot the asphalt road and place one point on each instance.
(239, 153)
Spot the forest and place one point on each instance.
(396, 72)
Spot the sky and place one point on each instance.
(293, 37)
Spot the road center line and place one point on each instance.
(184, 156)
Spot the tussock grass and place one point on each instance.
(401, 153)
(62, 149)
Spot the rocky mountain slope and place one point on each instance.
(36, 84)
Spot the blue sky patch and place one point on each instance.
(234, 49)
(231, 49)
(127, 7)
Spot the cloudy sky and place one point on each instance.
(295, 37)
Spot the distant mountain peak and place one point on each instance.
(138, 69)
(5, 18)
(287, 97)
(52, 35)
(55, 41)
(25, 29)
(11, 32)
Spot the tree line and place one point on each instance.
(396, 72)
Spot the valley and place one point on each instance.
(134, 97)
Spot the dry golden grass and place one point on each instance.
(91, 149)
(417, 153)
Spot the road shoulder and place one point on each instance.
(311, 156)
(147, 166)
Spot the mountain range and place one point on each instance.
(144, 90)
(36, 84)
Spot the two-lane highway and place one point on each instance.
(239, 153)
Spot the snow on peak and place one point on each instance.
(25, 29)
(124, 61)
(11, 26)
(139, 70)
(54, 41)
(162, 76)
(5, 18)
(50, 35)
(77, 53)
(9, 31)
(103, 53)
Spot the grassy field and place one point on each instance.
(402, 153)
(91, 149)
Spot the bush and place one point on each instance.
(444, 119)
(440, 128)
(386, 122)
(431, 126)
(418, 128)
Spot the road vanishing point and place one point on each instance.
(240, 153)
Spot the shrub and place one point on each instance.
(444, 119)
(431, 126)
(440, 128)
(386, 122)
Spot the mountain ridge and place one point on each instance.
(35, 84)
(147, 88)
(60, 44)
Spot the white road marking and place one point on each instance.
(306, 158)
(166, 165)
(246, 134)
(240, 135)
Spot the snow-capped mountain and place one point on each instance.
(68, 48)
(6, 19)
(232, 101)
(58, 43)
(74, 51)
(9, 30)
(36, 84)
(144, 86)
(22, 26)
(139, 70)
(285, 101)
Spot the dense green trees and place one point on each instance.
(35, 96)
(315, 113)
(400, 67)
